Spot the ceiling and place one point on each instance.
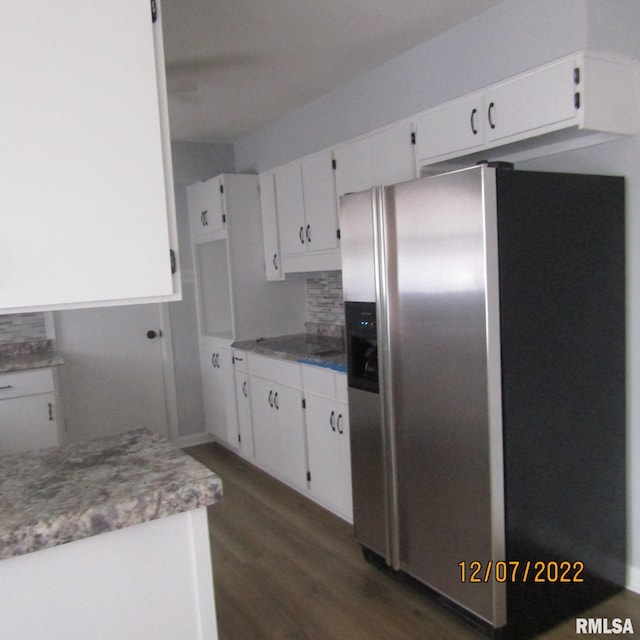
(234, 66)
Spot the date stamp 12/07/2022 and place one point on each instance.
(516, 571)
(543, 572)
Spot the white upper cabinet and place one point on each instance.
(384, 157)
(87, 193)
(575, 96)
(290, 204)
(543, 98)
(205, 205)
(307, 212)
(457, 126)
(270, 239)
(320, 203)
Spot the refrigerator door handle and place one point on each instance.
(382, 231)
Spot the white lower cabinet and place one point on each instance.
(278, 419)
(327, 419)
(300, 420)
(28, 411)
(218, 382)
(243, 405)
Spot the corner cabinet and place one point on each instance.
(570, 98)
(86, 181)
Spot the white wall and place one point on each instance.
(191, 162)
(505, 40)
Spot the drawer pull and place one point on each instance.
(6, 386)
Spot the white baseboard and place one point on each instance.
(633, 578)
(195, 439)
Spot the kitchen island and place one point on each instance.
(106, 539)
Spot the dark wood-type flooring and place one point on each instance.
(284, 568)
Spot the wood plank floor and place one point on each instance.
(284, 568)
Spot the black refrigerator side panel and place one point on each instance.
(562, 298)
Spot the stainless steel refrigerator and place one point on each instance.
(485, 330)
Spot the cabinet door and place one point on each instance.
(291, 435)
(543, 98)
(197, 208)
(87, 195)
(451, 129)
(385, 157)
(322, 440)
(226, 372)
(329, 452)
(265, 431)
(213, 388)
(214, 203)
(290, 207)
(243, 402)
(320, 203)
(269, 213)
(28, 422)
(343, 497)
(204, 202)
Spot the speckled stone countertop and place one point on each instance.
(23, 356)
(321, 351)
(53, 496)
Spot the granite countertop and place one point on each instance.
(321, 351)
(23, 356)
(53, 496)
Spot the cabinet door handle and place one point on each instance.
(472, 121)
(275, 401)
(300, 235)
(490, 115)
(340, 429)
(275, 261)
(331, 422)
(50, 411)
(244, 389)
(213, 360)
(271, 398)
(203, 219)
(308, 233)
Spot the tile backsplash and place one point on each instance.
(325, 303)
(22, 327)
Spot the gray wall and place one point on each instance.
(191, 162)
(505, 40)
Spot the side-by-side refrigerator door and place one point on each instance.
(357, 240)
(445, 371)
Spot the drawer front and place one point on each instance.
(25, 383)
(319, 381)
(280, 371)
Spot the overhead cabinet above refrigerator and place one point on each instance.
(485, 314)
